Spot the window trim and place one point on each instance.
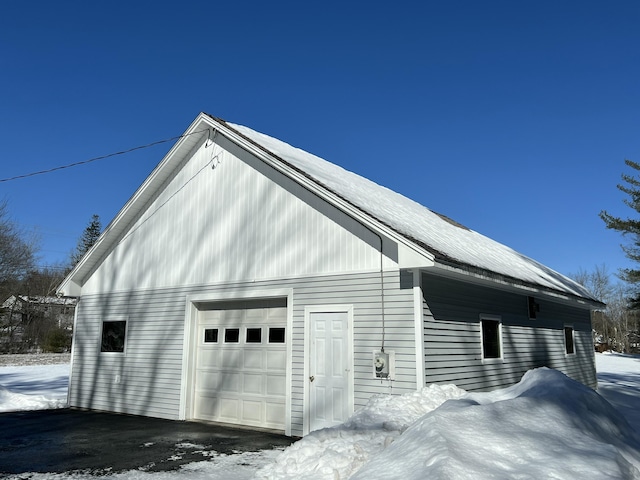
(566, 327)
(246, 335)
(229, 342)
(203, 338)
(491, 318)
(126, 335)
(284, 335)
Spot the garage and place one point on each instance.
(241, 363)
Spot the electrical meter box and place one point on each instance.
(384, 364)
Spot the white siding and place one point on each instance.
(150, 370)
(238, 221)
(453, 343)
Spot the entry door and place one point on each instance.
(329, 369)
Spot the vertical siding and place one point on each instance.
(453, 354)
(239, 221)
(150, 369)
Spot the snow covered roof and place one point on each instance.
(451, 243)
(454, 247)
(40, 300)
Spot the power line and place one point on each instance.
(102, 157)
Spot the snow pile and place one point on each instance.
(11, 402)
(340, 451)
(546, 426)
(37, 387)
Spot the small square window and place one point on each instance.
(113, 336)
(276, 335)
(211, 335)
(569, 347)
(254, 335)
(490, 338)
(231, 335)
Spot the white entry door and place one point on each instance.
(329, 379)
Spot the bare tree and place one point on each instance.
(17, 253)
(616, 325)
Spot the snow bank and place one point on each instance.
(38, 387)
(546, 426)
(340, 451)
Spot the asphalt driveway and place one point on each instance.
(66, 440)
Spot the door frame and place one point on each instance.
(348, 309)
(186, 409)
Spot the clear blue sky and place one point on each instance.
(511, 117)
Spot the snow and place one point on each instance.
(416, 221)
(546, 426)
(33, 387)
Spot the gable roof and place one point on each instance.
(450, 244)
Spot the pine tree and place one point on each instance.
(87, 240)
(630, 227)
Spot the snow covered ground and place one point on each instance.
(546, 426)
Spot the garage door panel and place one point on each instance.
(276, 360)
(276, 384)
(231, 358)
(252, 411)
(229, 409)
(253, 359)
(230, 382)
(209, 357)
(243, 381)
(207, 380)
(274, 414)
(253, 383)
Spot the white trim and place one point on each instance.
(419, 329)
(115, 318)
(495, 318)
(308, 310)
(191, 341)
(73, 349)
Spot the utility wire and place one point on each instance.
(102, 157)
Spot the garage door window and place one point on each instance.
(231, 335)
(276, 335)
(211, 335)
(254, 335)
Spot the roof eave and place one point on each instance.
(449, 268)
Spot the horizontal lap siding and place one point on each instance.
(150, 371)
(452, 339)
(363, 292)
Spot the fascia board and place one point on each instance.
(507, 284)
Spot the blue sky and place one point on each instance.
(513, 118)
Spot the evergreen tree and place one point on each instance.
(631, 227)
(86, 241)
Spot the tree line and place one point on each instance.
(32, 317)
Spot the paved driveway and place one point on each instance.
(65, 440)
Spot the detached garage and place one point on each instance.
(251, 283)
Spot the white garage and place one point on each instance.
(241, 363)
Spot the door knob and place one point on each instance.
(312, 378)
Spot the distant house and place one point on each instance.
(250, 282)
(27, 321)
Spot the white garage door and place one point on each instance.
(241, 363)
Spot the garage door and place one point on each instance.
(241, 363)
